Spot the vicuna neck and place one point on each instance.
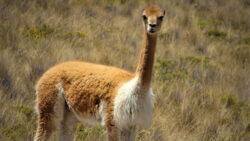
(146, 59)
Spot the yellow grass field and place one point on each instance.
(201, 76)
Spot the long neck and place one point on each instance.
(146, 59)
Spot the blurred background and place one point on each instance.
(201, 77)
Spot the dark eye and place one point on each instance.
(160, 18)
(144, 17)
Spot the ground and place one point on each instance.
(201, 77)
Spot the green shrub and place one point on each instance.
(89, 133)
(15, 132)
(241, 54)
(178, 74)
(1, 27)
(211, 22)
(248, 127)
(81, 133)
(38, 32)
(247, 40)
(234, 106)
(215, 33)
(24, 110)
(202, 23)
(191, 59)
(164, 34)
(81, 34)
(169, 69)
(229, 100)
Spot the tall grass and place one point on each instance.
(201, 76)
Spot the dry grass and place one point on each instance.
(201, 73)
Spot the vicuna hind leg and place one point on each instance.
(50, 108)
(46, 120)
(67, 127)
(44, 129)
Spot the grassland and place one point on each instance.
(201, 76)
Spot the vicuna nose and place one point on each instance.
(152, 25)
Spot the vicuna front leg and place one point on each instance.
(128, 135)
(113, 133)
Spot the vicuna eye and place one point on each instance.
(160, 18)
(144, 17)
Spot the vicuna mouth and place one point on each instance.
(152, 31)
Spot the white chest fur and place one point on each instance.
(133, 106)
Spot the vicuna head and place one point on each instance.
(152, 19)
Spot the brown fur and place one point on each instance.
(153, 10)
(84, 86)
(146, 60)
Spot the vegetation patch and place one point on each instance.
(200, 82)
(121, 1)
(1, 27)
(247, 40)
(38, 32)
(190, 68)
(229, 100)
(81, 33)
(24, 109)
(179, 74)
(164, 34)
(241, 54)
(225, 121)
(169, 69)
(235, 107)
(89, 133)
(248, 128)
(191, 59)
(81, 133)
(73, 36)
(216, 33)
(15, 132)
(212, 22)
(202, 23)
